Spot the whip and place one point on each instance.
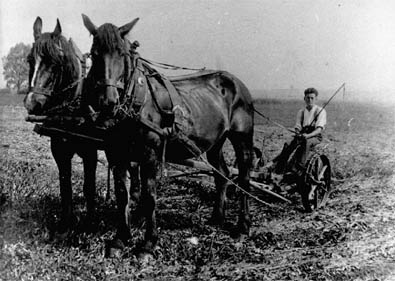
(343, 86)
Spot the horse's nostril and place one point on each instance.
(113, 102)
(103, 102)
(38, 107)
(33, 108)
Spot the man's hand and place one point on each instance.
(300, 136)
(312, 134)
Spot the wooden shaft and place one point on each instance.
(262, 187)
(59, 132)
(57, 118)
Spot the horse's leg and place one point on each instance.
(216, 158)
(89, 157)
(134, 203)
(149, 172)
(62, 152)
(119, 170)
(121, 194)
(243, 145)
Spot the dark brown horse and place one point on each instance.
(55, 80)
(208, 107)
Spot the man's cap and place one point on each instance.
(311, 91)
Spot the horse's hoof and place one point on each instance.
(61, 236)
(241, 238)
(89, 225)
(136, 217)
(244, 231)
(67, 224)
(216, 221)
(145, 259)
(114, 248)
(239, 231)
(90, 228)
(238, 235)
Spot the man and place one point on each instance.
(310, 122)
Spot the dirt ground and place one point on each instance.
(352, 238)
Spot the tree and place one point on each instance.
(16, 68)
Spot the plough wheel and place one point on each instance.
(317, 183)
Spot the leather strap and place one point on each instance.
(174, 95)
(41, 91)
(111, 83)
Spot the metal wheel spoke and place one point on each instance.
(322, 172)
(317, 182)
(322, 187)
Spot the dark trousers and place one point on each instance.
(301, 155)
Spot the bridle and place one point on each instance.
(51, 94)
(120, 83)
(41, 91)
(110, 83)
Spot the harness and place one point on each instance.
(135, 93)
(138, 86)
(136, 89)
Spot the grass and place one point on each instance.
(10, 99)
(350, 239)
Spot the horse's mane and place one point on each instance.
(107, 39)
(47, 46)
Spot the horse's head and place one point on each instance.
(109, 53)
(52, 66)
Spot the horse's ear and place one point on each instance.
(123, 30)
(58, 28)
(89, 25)
(37, 27)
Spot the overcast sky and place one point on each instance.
(268, 44)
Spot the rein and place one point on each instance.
(170, 66)
(274, 122)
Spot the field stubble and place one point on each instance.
(352, 238)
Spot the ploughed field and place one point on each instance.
(352, 238)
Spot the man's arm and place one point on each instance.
(314, 133)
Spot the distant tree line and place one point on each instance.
(16, 68)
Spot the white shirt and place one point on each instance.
(304, 117)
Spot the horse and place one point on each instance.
(55, 80)
(209, 106)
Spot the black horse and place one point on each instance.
(55, 81)
(209, 107)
